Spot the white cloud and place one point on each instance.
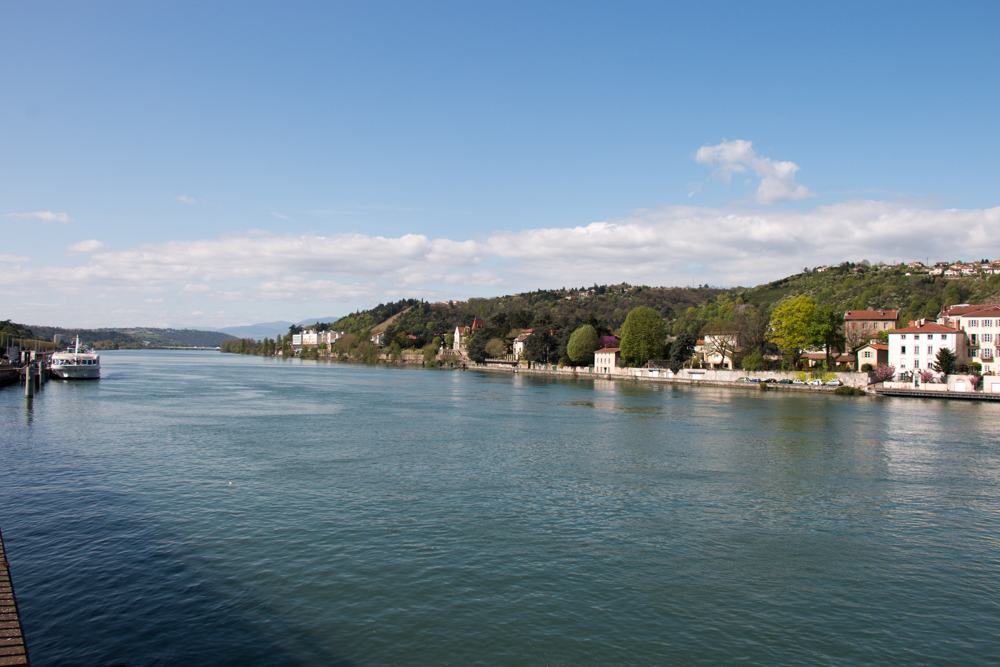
(674, 245)
(186, 199)
(15, 259)
(44, 216)
(86, 246)
(777, 179)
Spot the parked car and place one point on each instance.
(815, 383)
(785, 381)
(742, 379)
(834, 383)
(755, 379)
(798, 382)
(770, 380)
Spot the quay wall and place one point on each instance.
(686, 376)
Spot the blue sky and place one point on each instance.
(212, 164)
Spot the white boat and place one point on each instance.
(76, 365)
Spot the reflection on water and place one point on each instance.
(232, 510)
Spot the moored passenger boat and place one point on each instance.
(76, 365)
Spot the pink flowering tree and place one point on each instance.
(927, 376)
(885, 372)
(974, 382)
(609, 341)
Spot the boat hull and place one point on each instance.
(68, 372)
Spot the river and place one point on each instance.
(202, 508)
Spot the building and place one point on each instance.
(461, 334)
(721, 345)
(915, 348)
(606, 359)
(379, 338)
(874, 354)
(981, 324)
(863, 325)
(519, 343)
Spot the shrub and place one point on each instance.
(849, 391)
(885, 372)
(867, 368)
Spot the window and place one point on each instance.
(973, 323)
(987, 338)
(903, 336)
(867, 354)
(987, 323)
(916, 363)
(902, 350)
(930, 350)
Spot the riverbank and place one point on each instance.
(661, 377)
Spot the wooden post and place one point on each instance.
(29, 383)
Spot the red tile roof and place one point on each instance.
(608, 349)
(880, 315)
(930, 327)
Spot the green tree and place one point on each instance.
(582, 345)
(753, 361)
(643, 335)
(944, 361)
(789, 324)
(681, 349)
(826, 331)
(495, 348)
(537, 346)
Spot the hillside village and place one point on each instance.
(891, 322)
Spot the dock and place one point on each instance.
(13, 647)
(954, 395)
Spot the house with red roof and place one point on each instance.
(915, 348)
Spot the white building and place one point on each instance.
(915, 348)
(606, 359)
(519, 343)
(981, 325)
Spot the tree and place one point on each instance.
(944, 361)
(681, 349)
(755, 329)
(885, 372)
(753, 361)
(722, 339)
(477, 349)
(535, 348)
(582, 345)
(643, 335)
(789, 324)
(495, 348)
(825, 330)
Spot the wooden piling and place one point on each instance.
(29, 383)
(13, 647)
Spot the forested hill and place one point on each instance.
(606, 304)
(850, 286)
(137, 337)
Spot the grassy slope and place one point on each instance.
(850, 287)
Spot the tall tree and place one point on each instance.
(789, 323)
(582, 345)
(826, 330)
(681, 349)
(643, 335)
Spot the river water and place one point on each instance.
(201, 508)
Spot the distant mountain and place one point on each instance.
(270, 329)
(258, 331)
